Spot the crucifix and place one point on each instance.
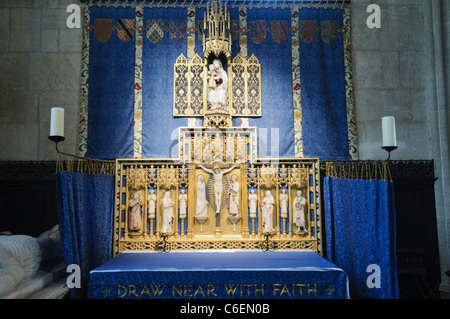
(218, 174)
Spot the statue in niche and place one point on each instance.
(252, 198)
(135, 212)
(183, 199)
(218, 188)
(267, 212)
(218, 95)
(151, 203)
(201, 211)
(233, 193)
(284, 203)
(167, 216)
(299, 212)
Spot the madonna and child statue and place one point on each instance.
(217, 86)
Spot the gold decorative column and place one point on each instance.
(191, 201)
(244, 202)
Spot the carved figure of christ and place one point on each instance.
(218, 188)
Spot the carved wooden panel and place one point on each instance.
(238, 86)
(253, 87)
(188, 87)
(246, 87)
(181, 87)
(197, 86)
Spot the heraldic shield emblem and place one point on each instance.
(177, 31)
(328, 31)
(258, 31)
(103, 29)
(279, 31)
(125, 29)
(155, 30)
(308, 30)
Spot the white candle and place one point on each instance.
(57, 121)
(389, 135)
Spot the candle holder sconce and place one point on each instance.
(389, 149)
(56, 139)
(389, 135)
(56, 126)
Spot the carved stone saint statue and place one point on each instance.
(217, 96)
(267, 212)
(283, 203)
(183, 199)
(299, 212)
(218, 187)
(201, 211)
(135, 212)
(252, 198)
(233, 192)
(151, 203)
(167, 216)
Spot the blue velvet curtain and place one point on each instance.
(85, 216)
(360, 231)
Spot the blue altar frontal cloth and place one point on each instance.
(219, 274)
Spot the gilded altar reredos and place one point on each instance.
(248, 200)
(219, 231)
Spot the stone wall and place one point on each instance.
(40, 61)
(389, 64)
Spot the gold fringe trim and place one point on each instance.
(76, 164)
(359, 170)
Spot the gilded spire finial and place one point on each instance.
(216, 36)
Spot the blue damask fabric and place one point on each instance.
(85, 206)
(159, 127)
(276, 125)
(111, 87)
(323, 101)
(360, 231)
(269, 37)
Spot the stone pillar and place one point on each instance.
(436, 44)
